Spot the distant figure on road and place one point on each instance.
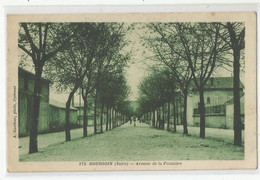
(139, 120)
(135, 120)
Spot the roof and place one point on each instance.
(231, 101)
(26, 73)
(220, 83)
(81, 106)
(58, 104)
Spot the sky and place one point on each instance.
(134, 73)
(136, 69)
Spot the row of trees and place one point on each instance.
(86, 56)
(156, 90)
(189, 53)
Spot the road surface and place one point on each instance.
(142, 142)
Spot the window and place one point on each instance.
(208, 100)
(216, 100)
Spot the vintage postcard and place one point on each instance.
(136, 91)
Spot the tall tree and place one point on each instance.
(155, 89)
(70, 67)
(163, 44)
(108, 83)
(236, 41)
(110, 56)
(200, 45)
(87, 88)
(41, 41)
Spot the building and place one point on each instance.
(78, 103)
(51, 115)
(25, 107)
(57, 114)
(218, 112)
(230, 111)
(80, 114)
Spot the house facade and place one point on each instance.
(51, 114)
(80, 114)
(57, 114)
(25, 105)
(230, 111)
(218, 114)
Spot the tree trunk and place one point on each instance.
(237, 44)
(181, 115)
(67, 118)
(177, 108)
(85, 118)
(95, 114)
(33, 147)
(101, 117)
(116, 119)
(168, 121)
(174, 115)
(184, 122)
(159, 117)
(163, 116)
(113, 119)
(107, 119)
(114, 122)
(119, 119)
(153, 118)
(150, 118)
(156, 116)
(110, 109)
(202, 113)
(236, 91)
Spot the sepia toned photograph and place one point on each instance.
(131, 92)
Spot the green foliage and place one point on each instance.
(42, 41)
(196, 47)
(155, 90)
